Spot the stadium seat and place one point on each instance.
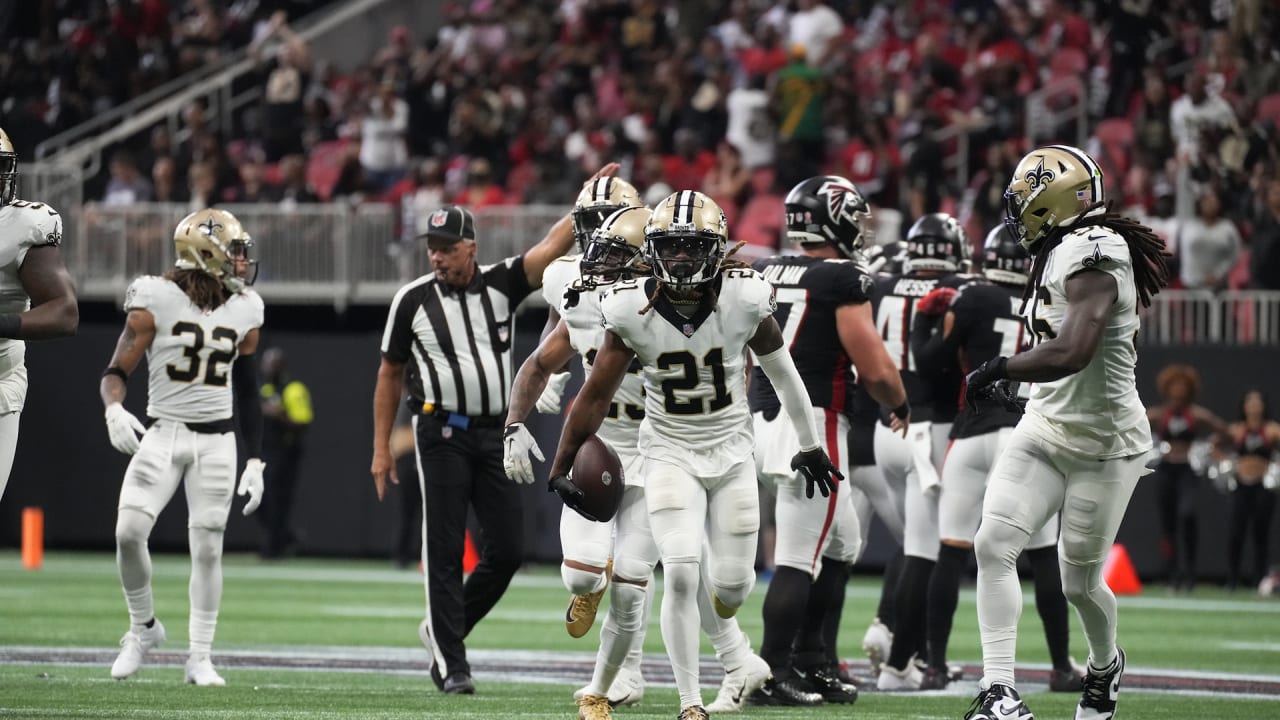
(1269, 109)
(1068, 61)
(760, 223)
(324, 166)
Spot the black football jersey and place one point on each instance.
(808, 291)
(987, 325)
(895, 299)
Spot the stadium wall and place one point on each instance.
(66, 465)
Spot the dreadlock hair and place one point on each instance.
(204, 290)
(1150, 257)
(727, 263)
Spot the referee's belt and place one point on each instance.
(462, 422)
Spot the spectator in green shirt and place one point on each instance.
(286, 408)
(799, 95)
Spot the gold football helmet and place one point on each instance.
(615, 246)
(1052, 188)
(685, 239)
(8, 169)
(213, 241)
(599, 199)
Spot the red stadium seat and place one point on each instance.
(760, 223)
(1269, 108)
(324, 166)
(1068, 61)
(1115, 135)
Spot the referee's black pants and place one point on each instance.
(460, 468)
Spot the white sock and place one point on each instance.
(636, 654)
(206, 586)
(133, 559)
(621, 625)
(725, 635)
(998, 545)
(1095, 604)
(680, 628)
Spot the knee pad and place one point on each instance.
(733, 584)
(626, 605)
(580, 582)
(206, 546)
(681, 578)
(998, 543)
(133, 527)
(637, 571)
(1078, 581)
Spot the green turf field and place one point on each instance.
(337, 639)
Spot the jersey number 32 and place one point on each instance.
(214, 363)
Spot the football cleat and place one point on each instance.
(627, 688)
(200, 672)
(134, 646)
(935, 679)
(825, 680)
(1101, 691)
(1068, 680)
(785, 689)
(693, 712)
(876, 643)
(891, 678)
(594, 707)
(459, 683)
(998, 702)
(581, 614)
(739, 683)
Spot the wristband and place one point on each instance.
(113, 370)
(10, 325)
(902, 411)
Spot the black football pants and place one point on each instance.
(461, 468)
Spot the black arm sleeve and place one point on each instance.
(244, 375)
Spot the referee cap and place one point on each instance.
(451, 223)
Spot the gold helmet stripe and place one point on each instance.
(1095, 172)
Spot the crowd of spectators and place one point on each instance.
(515, 101)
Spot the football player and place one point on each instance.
(981, 323)
(198, 327)
(1082, 444)
(825, 314)
(614, 253)
(37, 297)
(689, 326)
(936, 245)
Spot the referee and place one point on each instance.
(451, 329)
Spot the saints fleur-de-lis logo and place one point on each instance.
(1039, 175)
(1097, 258)
(210, 226)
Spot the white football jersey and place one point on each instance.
(189, 361)
(581, 313)
(696, 412)
(23, 225)
(1096, 411)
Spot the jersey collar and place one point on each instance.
(687, 325)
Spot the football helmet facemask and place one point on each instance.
(684, 241)
(8, 170)
(1004, 260)
(1052, 187)
(615, 247)
(599, 199)
(214, 242)
(936, 242)
(828, 209)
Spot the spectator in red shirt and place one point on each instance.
(480, 191)
(685, 168)
(765, 57)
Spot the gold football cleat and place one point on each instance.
(722, 610)
(581, 614)
(594, 707)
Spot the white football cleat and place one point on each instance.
(891, 679)
(134, 646)
(876, 643)
(740, 683)
(627, 688)
(200, 671)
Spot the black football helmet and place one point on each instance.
(936, 242)
(828, 209)
(1004, 260)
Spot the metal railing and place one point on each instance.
(1201, 317)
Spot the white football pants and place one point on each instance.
(964, 483)
(1031, 482)
(13, 393)
(907, 465)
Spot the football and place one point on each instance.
(597, 471)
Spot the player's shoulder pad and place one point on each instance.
(747, 288)
(623, 300)
(36, 223)
(145, 291)
(1094, 247)
(256, 308)
(558, 276)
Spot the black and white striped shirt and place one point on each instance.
(459, 340)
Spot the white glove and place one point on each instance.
(123, 429)
(549, 401)
(251, 484)
(517, 444)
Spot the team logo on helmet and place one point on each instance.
(842, 200)
(1039, 175)
(439, 218)
(210, 227)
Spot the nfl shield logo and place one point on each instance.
(439, 218)
(446, 432)
(687, 329)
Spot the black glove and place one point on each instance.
(570, 494)
(817, 470)
(986, 374)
